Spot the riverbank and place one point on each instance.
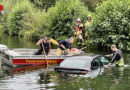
(110, 21)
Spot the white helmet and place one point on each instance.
(78, 20)
(2, 12)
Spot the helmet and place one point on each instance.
(2, 12)
(78, 20)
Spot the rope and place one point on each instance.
(46, 61)
(45, 54)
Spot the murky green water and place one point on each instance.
(15, 42)
(32, 78)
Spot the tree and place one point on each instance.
(60, 19)
(111, 25)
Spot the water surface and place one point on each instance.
(32, 77)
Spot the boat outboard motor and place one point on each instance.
(3, 47)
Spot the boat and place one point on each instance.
(24, 56)
(3, 47)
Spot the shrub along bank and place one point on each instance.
(58, 22)
(110, 21)
(111, 25)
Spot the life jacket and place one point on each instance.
(79, 27)
(87, 24)
(46, 46)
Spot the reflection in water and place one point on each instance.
(18, 70)
(44, 78)
(94, 73)
(15, 42)
(35, 78)
(117, 76)
(91, 74)
(116, 73)
(20, 77)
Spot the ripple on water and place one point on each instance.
(109, 77)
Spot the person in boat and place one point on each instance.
(65, 46)
(44, 47)
(117, 57)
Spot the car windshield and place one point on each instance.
(104, 60)
(76, 63)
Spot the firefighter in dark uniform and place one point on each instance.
(65, 46)
(44, 46)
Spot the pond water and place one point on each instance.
(32, 77)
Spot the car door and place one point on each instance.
(95, 64)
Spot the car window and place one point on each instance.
(76, 63)
(104, 60)
(96, 63)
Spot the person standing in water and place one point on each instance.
(117, 56)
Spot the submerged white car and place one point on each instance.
(82, 64)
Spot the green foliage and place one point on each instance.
(17, 15)
(32, 24)
(58, 22)
(8, 5)
(111, 24)
(91, 4)
(60, 19)
(43, 4)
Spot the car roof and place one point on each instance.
(87, 56)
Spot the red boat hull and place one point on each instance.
(36, 61)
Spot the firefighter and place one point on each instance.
(44, 47)
(79, 33)
(65, 46)
(87, 26)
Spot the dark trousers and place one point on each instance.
(40, 52)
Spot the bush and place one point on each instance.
(91, 4)
(17, 15)
(32, 24)
(43, 4)
(58, 22)
(111, 25)
(8, 5)
(60, 19)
